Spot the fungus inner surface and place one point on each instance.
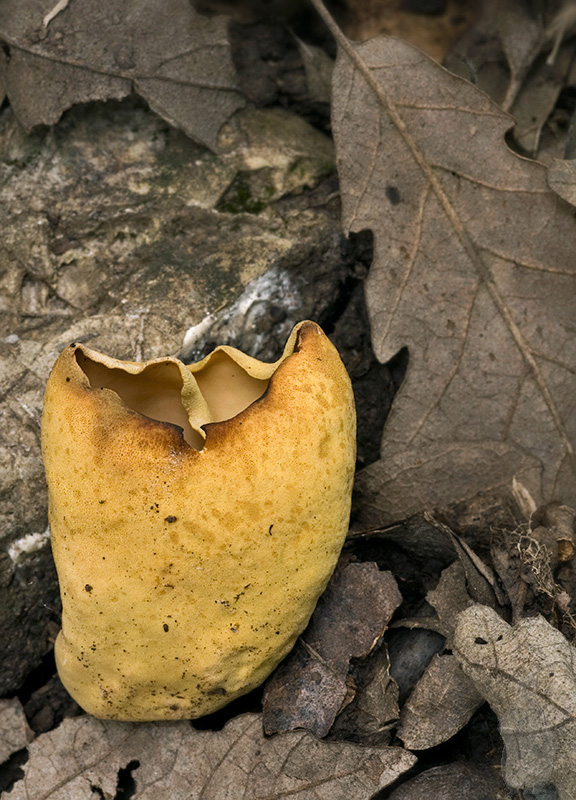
(227, 388)
(156, 392)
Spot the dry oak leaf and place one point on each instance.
(441, 704)
(82, 758)
(528, 675)
(473, 271)
(170, 55)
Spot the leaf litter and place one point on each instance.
(176, 59)
(343, 670)
(528, 559)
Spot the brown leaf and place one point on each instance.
(425, 541)
(562, 179)
(480, 579)
(82, 758)
(449, 598)
(507, 561)
(459, 780)
(177, 60)
(538, 97)
(304, 692)
(528, 675)
(473, 271)
(507, 54)
(417, 536)
(374, 708)
(441, 704)
(309, 688)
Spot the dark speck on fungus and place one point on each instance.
(88, 588)
(170, 519)
(166, 629)
(218, 690)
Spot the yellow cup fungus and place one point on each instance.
(197, 512)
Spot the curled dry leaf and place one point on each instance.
(310, 687)
(441, 704)
(374, 710)
(480, 579)
(465, 581)
(462, 780)
(170, 55)
(449, 598)
(82, 758)
(528, 675)
(473, 271)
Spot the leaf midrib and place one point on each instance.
(129, 75)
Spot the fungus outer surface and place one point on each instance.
(205, 506)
